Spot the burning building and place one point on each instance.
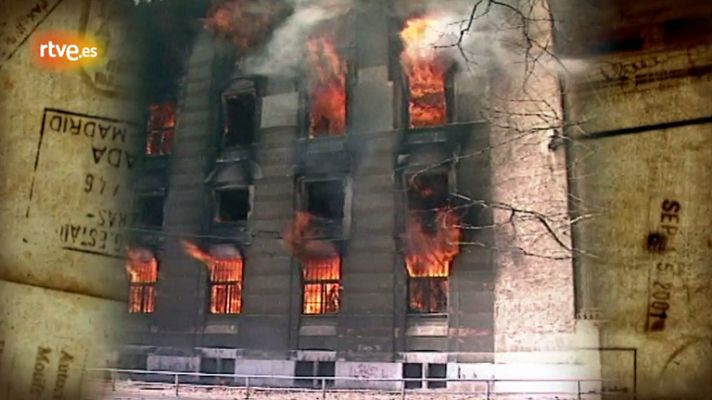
(347, 220)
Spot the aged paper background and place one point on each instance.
(48, 338)
(67, 143)
(66, 148)
(642, 174)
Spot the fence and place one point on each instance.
(488, 388)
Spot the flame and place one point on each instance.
(302, 237)
(425, 71)
(430, 242)
(162, 115)
(161, 128)
(196, 252)
(225, 279)
(245, 22)
(430, 246)
(321, 288)
(427, 295)
(321, 263)
(142, 268)
(327, 108)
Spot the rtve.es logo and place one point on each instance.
(60, 50)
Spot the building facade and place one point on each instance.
(386, 211)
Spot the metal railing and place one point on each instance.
(578, 388)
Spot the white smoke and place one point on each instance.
(284, 53)
(494, 38)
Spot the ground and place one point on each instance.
(144, 391)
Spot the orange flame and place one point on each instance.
(427, 295)
(429, 250)
(327, 108)
(303, 238)
(425, 71)
(430, 242)
(245, 22)
(142, 268)
(161, 128)
(321, 263)
(321, 288)
(225, 279)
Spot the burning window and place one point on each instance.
(321, 283)
(326, 71)
(430, 241)
(240, 118)
(151, 210)
(142, 268)
(161, 128)
(425, 72)
(427, 294)
(226, 266)
(312, 239)
(232, 205)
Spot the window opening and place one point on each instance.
(142, 268)
(161, 128)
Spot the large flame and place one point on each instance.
(142, 269)
(327, 88)
(431, 243)
(225, 277)
(426, 72)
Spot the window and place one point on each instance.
(209, 365)
(151, 210)
(413, 371)
(161, 128)
(232, 205)
(327, 71)
(142, 268)
(430, 240)
(240, 110)
(437, 371)
(226, 267)
(325, 198)
(427, 191)
(321, 285)
(309, 369)
(324, 208)
(427, 294)
(226, 286)
(425, 70)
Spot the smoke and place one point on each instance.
(493, 38)
(506, 35)
(284, 53)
